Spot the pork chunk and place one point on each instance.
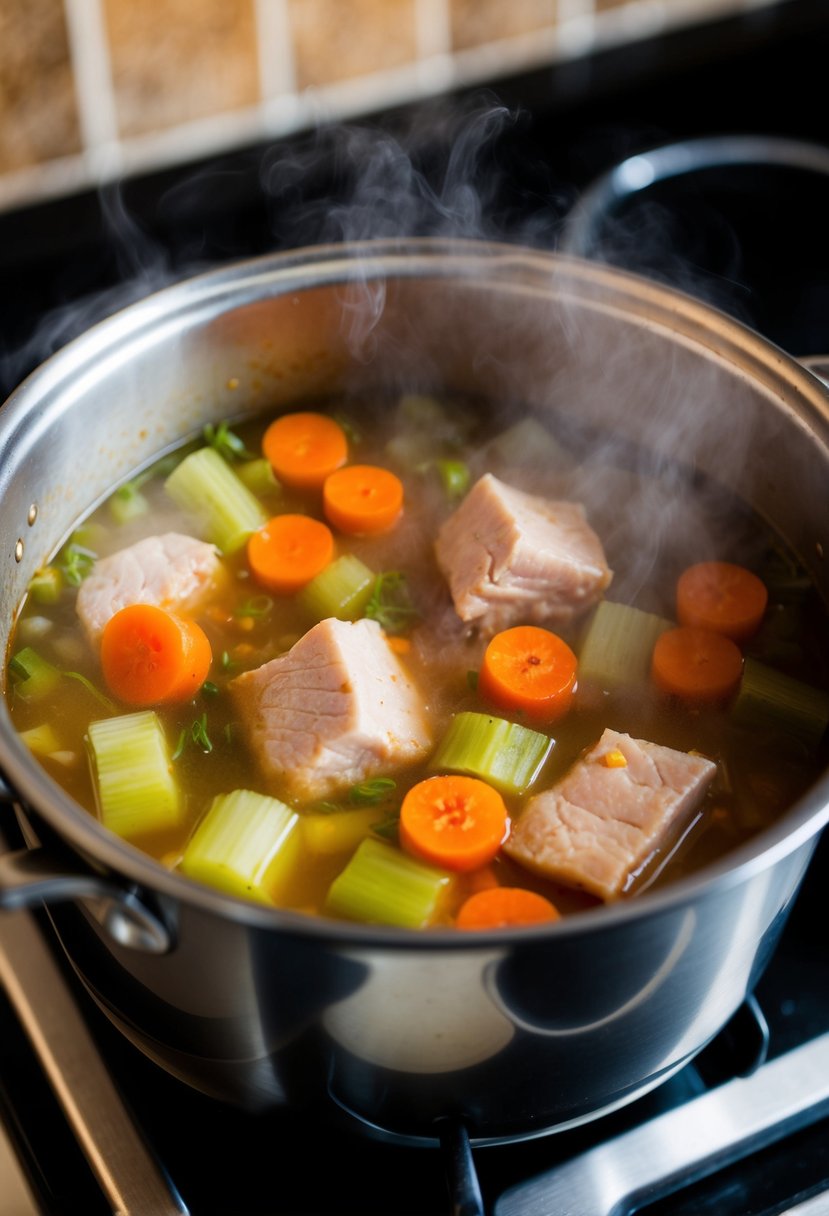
(510, 557)
(608, 815)
(337, 708)
(170, 571)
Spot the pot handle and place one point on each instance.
(33, 876)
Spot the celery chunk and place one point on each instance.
(342, 590)
(137, 793)
(206, 487)
(33, 677)
(332, 832)
(505, 754)
(382, 885)
(617, 645)
(769, 698)
(247, 845)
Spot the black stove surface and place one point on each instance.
(530, 146)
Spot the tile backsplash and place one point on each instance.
(95, 89)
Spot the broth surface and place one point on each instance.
(653, 522)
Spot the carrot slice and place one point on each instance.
(531, 670)
(500, 907)
(452, 821)
(723, 597)
(303, 448)
(288, 551)
(152, 657)
(696, 665)
(362, 499)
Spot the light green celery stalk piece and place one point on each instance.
(132, 770)
(617, 646)
(338, 831)
(770, 698)
(382, 885)
(33, 676)
(246, 845)
(205, 486)
(505, 754)
(341, 590)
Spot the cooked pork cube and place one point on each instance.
(336, 709)
(511, 557)
(171, 571)
(617, 805)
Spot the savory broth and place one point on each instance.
(653, 523)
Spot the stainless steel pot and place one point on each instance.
(515, 1033)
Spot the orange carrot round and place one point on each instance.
(288, 551)
(722, 597)
(152, 657)
(362, 499)
(303, 448)
(500, 907)
(454, 822)
(531, 670)
(696, 665)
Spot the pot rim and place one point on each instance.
(660, 306)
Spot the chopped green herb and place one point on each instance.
(258, 606)
(352, 433)
(76, 563)
(369, 793)
(226, 443)
(210, 688)
(472, 681)
(197, 735)
(454, 476)
(390, 604)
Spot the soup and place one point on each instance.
(422, 663)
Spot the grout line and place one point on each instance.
(94, 91)
(277, 67)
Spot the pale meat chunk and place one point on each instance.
(601, 822)
(170, 571)
(510, 557)
(337, 708)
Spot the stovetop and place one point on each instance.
(540, 140)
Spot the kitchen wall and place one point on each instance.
(94, 89)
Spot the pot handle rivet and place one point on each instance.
(32, 515)
(18, 550)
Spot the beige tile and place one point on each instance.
(340, 39)
(603, 4)
(38, 116)
(178, 60)
(475, 22)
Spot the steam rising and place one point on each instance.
(449, 173)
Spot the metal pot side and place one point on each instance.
(520, 1033)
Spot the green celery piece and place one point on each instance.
(617, 645)
(342, 590)
(246, 845)
(206, 487)
(258, 476)
(33, 676)
(382, 885)
(41, 740)
(46, 585)
(137, 792)
(338, 831)
(505, 754)
(770, 698)
(128, 503)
